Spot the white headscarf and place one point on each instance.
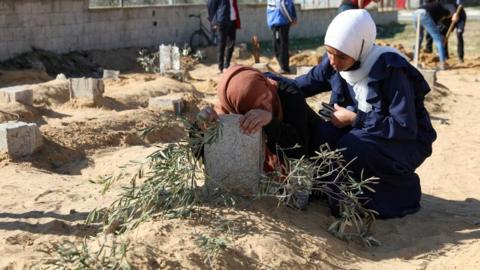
(353, 32)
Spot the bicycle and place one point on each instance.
(202, 37)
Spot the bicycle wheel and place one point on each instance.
(198, 40)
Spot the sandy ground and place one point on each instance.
(46, 197)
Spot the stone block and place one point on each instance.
(302, 70)
(19, 138)
(21, 94)
(89, 88)
(430, 76)
(111, 74)
(235, 160)
(170, 103)
(262, 67)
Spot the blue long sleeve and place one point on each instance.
(398, 119)
(315, 81)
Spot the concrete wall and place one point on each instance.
(66, 25)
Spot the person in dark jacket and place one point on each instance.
(281, 15)
(379, 116)
(225, 18)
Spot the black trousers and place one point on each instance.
(280, 45)
(226, 44)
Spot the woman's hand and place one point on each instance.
(254, 120)
(342, 117)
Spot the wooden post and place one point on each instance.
(256, 49)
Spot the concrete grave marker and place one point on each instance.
(170, 64)
(111, 74)
(430, 76)
(165, 58)
(235, 160)
(89, 88)
(21, 94)
(19, 138)
(172, 103)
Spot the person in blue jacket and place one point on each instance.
(280, 15)
(379, 115)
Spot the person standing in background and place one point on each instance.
(459, 20)
(281, 15)
(225, 18)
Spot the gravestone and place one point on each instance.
(111, 74)
(171, 103)
(170, 63)
(88, 88)
(19, 138)
(235, 160)
(165, 58)
(430, 76)
(21, 94)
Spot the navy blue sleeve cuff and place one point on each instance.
(359, 119)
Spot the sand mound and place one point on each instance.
(134, 90)
(18, 111)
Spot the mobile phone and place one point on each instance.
(328, 107)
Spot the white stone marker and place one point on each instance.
(165, 58)
(235, 160)
(172, 103)
(430, 76)
(21, 94)
(170, 64)
(19, 138)
(175, 58)
(302, 70)
(86, 88)
(111, 74)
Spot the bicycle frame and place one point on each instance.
(209, 33)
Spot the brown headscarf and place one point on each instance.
(241, 89)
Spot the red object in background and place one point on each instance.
(400, 4)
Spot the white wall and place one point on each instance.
(66, 25)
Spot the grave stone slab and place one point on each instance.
(430, 76)
(111, 74)
(19, 138)
(21, 94)
(172, 103)
(89, 88)
(235, 160)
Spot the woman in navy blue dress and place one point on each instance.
(379, 114)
